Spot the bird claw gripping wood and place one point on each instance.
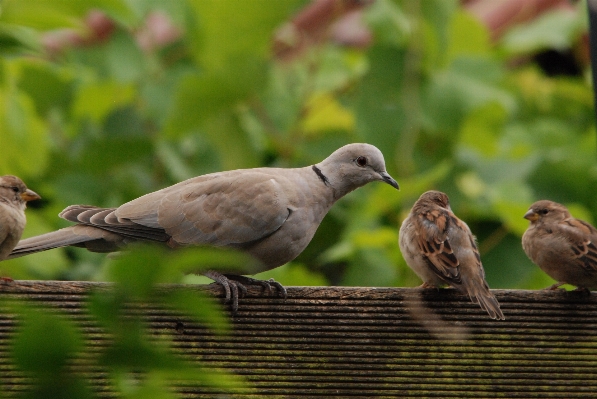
(268, 285)
(235, 286)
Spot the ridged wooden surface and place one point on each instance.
(337, 342)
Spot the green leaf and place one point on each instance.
(338, 69)
(510, 200)
(22, 135)
(201, 308)
(468, 37)
(124, 58)
(325, 113)
(198, 259)
(379, 107)
(507, 266)
(44, 14)
(226, 49)
(437, 17)
(45, 343)
(48, 87)
(18, 40)
(388, 22)
(95, 100)
(233, 64)
(370, 268)
(481, 130)
(294, 274)
(556, 29)
(140, 268)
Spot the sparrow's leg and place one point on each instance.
(427, 286)
(554, 286)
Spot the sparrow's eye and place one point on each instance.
(544, 211)
(15, 189)
(361, 161)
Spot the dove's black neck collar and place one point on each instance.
(320, 174)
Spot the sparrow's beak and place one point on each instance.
(388, 179)
(531, 215)
(30, 195)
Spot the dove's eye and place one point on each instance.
(361, 161)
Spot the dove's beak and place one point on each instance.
(531, 215)
(30, 195)
(388, 179)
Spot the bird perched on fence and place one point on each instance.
(271, 213)
(563, 247)
(441, 250)
(14, 196)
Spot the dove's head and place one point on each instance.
(13, 191)
(353, 166)
(547, 211)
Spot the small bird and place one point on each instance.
(271, 213)
(14, 196)
(441, 250)
(563, 247)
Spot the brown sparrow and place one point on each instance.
(441, 250)
(14, 196)
(563, 247)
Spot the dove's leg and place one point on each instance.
(232, 283)
(266, 284)
(231, 288)
(554, 286)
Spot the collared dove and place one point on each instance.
(271, 213)
(14, 196)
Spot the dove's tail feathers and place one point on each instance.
(106, 219)
(92, 238)
(482, 296)
(99, 230)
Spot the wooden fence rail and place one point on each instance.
(364, 342)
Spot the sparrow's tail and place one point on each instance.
(92, 238)
(479, 293)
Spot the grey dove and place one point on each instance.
(271, 213)
(14, 196)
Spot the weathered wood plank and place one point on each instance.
(357, 342)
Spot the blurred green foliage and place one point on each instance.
(137, 108)
(111, 115)
(59, 360)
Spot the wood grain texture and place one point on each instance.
(362, 342)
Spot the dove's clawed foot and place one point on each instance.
(269, 285)
(234, 286)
